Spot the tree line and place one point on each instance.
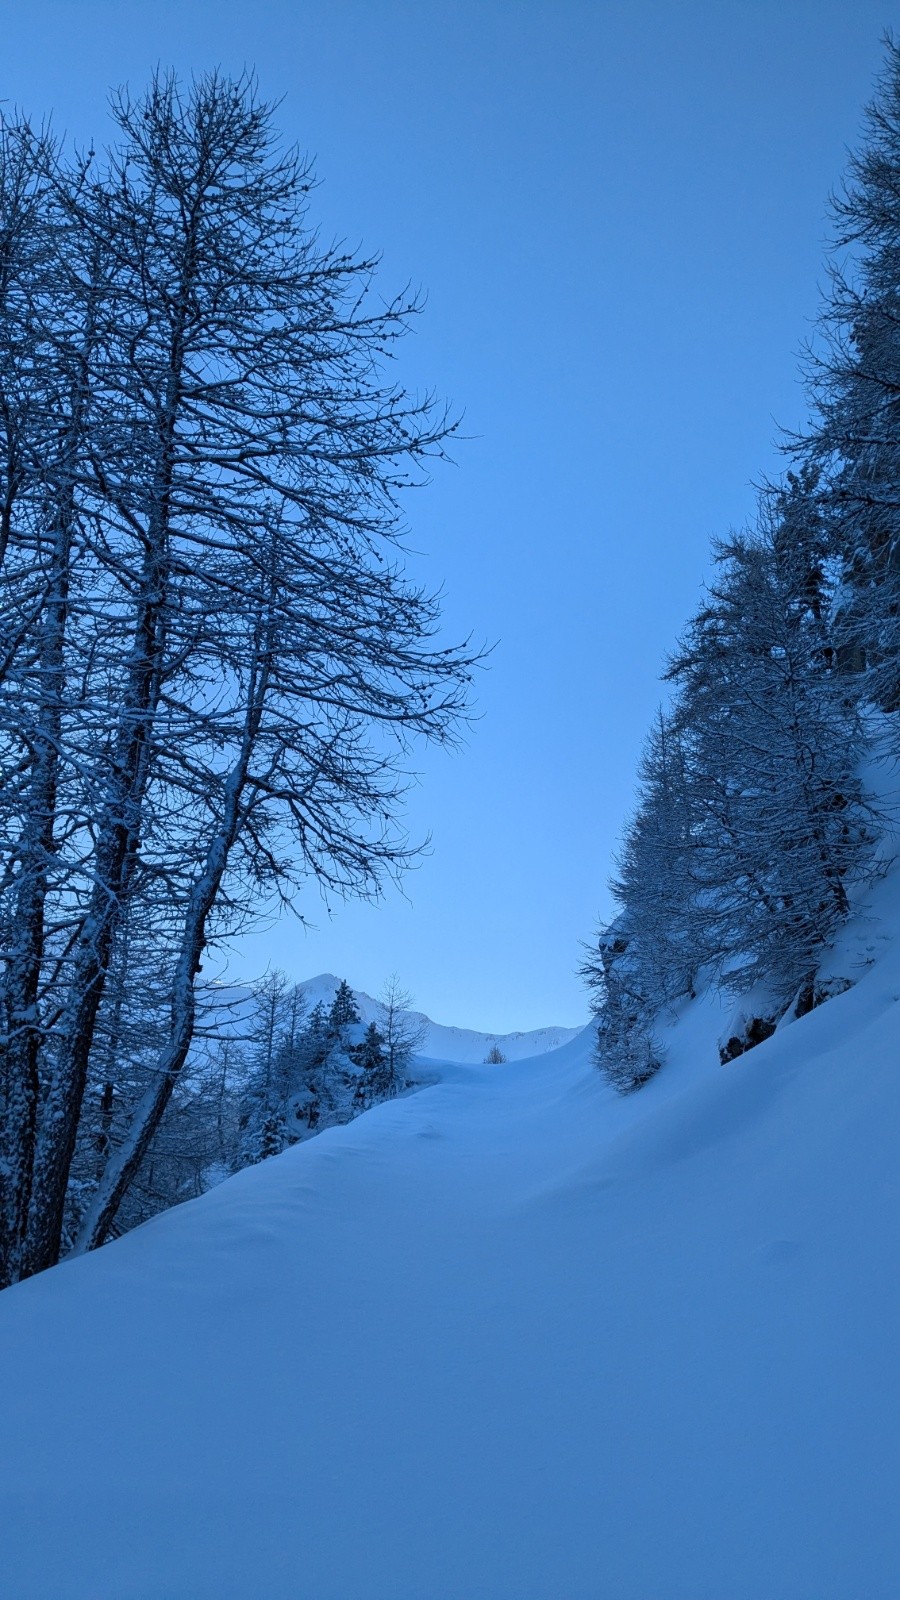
(213, 667)
(266, 1071)
(753, 826)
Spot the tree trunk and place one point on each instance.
(125, 1164)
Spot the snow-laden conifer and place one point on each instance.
(648, 957)
(773, 746)
(752, 822)
(854, 372)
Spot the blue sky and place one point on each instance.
(618, 214)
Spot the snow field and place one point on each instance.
(509, 1338)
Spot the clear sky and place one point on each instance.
(618, 213)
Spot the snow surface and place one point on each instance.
(509, 1338)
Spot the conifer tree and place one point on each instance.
(854, 377)
(310, 1095)
(773, 745)
(376, 1081)
(780, 675)
(344, 1012)
(650, 954)
(752, 820)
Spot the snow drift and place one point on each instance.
(510, 1338)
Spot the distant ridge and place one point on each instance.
(445, 1043)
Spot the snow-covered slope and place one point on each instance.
(506, 1339)
(443, 1043)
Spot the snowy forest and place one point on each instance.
(345, 1302)
(267, 1069)
(754, 825)
(212, 666)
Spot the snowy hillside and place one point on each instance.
(443, 1043)
(509, 1338)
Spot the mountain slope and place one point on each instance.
(509, 1338)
